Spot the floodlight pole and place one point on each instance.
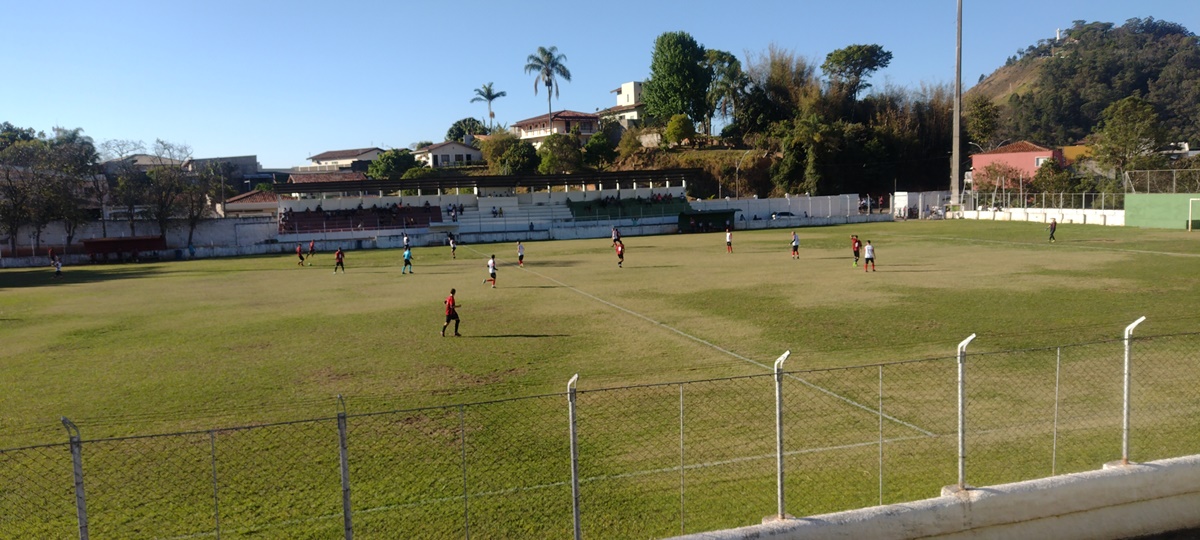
(962, 412)
(1125, 419)
(955, 153)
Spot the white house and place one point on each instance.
(536, 129)
(341, 159)
(629, 109)
(448, 154)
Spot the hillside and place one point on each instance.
(1054, 92)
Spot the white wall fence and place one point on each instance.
(1113, 218)
(1115, 502)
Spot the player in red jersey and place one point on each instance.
(300, 254)
(339, 257)
(855, 246)
(620, 247)
(312, 250)
(451, 314)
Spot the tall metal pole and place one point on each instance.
(1125, 419)
(574, 457)
(955, 157)
(962, 411)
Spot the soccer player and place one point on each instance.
(451, 314)
(405, 240)
(453, 248)
(855, 245)
(300, 254)
(520, 255)
(1053, 225)
(795, 246)
(620, 247)
(728, 240)
(339, 257)
(407, 262)
(870, 257)
(57, 267)
(616, 236)
(491, 267)
(312, 250)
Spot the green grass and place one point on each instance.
(165, 347)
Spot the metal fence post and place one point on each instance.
(574, 456)
(779, 434)
(212, 449)
(344, 455)
(77, 462)
(682, 468)
(962, 411)
(1125, 420)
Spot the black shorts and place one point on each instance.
(856, 254)
(520, 258)
(727, 244)
(452, 317)
(795, 248)
(492, 275)
(869, 259)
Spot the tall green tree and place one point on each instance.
(10, 134)
(982, 121)
(507, 154)
(726, 84)
(559, 154)
(392, 164)
(1129, 129)
(599, 151)
(461, 128)
(679, 78)
(849, 67)
(488, 94)
(77, 182)
(547, 65)
(128, 184)
(166, 182)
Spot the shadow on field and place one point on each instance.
(535, 287)
(518, 336)
(71, 275)
(555, 264)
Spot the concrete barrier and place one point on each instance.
(1115, 502)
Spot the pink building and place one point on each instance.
(1023, 156)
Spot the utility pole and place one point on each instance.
(955, 158)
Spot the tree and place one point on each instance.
(166, 182)
(34, 182)
(127, 182)
(559, 154)
(679, 129)
(461, 128)
(1129, 129)
(548, 65)
(1052, 177)
(848, 67)
(392, 164)
(630, 143)
(15, 189)
(982, 121)
(506, 154)
(198, 194)
(419, 145)
(598, 151)
(10, 134)
(419, 172)
(727, 83)
(487, 94)
(74, 158)
(997, 176)
(679, 78)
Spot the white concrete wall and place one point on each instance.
(1112, 503)
(802, 205)
(1112, 218)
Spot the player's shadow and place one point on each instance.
(519, 336)
(71, 275)
(535, 287)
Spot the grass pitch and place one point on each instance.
(165, 347)
(134, 349)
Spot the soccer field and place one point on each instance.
(135, 349)
(204, 345)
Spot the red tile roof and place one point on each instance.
(326, 177)
(1017, 147)
(256, 197)
(560, 115)
(342, 154)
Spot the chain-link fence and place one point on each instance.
(1163, 181)
(1004, 200)
(633, 462)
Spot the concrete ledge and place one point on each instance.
(1115, 502)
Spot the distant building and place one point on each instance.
(141, 162)
(1023, 156)
(536, 129)
(448, 154)
(629, 111)
(357, 159)
(254, 203)
(241, 165)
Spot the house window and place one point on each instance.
(585, 127)
(458, 157)
(1039, 161)
(445, 159)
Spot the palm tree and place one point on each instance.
(548, 64)
(486, 93)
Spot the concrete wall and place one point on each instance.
(1112, 503)
(1161, 211)
(1112, 218)
(801, 206)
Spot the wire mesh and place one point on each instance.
(37, 494)
(654, 461)
(149, 487)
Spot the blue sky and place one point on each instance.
(289, 79)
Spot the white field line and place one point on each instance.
(566, 483)
(1056, 245)
(727, 351)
